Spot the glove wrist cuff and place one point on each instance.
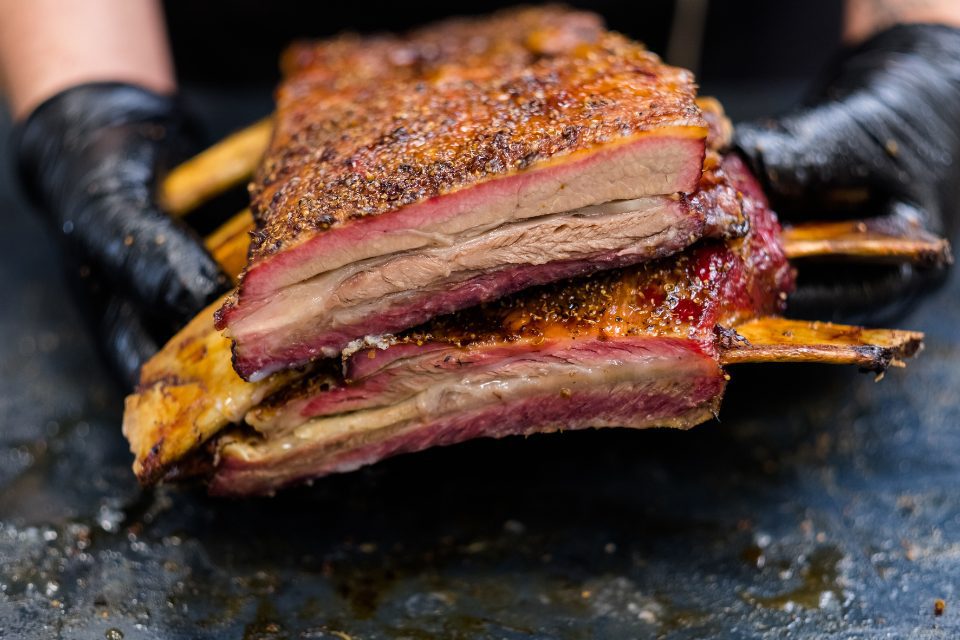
(70, 132)
(916, 37)
(96, 105)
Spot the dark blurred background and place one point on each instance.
(758, 56)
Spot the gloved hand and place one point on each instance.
(880, 137)
(91, 158)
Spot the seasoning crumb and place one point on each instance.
(939, 606)
(909, 550)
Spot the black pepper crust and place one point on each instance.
(369, 125)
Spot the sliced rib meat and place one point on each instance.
(632, 383)
(188, 392)
(447, 172)
(636, 347)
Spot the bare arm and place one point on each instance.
(49, 45)
(866, 17)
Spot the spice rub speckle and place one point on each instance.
(449, 106)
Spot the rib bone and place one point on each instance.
(877, 239)
(215, 170)
(775, 339)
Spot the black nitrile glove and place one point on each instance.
(881, 137)
(91, 158)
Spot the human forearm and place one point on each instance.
(864, 18)
(92, 86)
(47, 46)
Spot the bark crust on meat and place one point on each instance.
(401, 146)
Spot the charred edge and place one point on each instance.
(235, 361)
(152, 469)
(875, 359)
(728, 338)
(938, 258)
(198, 466)
(720, 224)
(220, 315)
(868, 357)
(878, 359)
(737, 230)
(161, 382)
(911, 348)
(935, 256)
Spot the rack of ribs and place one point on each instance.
(510, 225)
(635, 347)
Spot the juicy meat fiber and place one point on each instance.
(441, 138)
(635, 348)
(666, 383)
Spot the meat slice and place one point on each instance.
(463, 162)
(637, 347)
(188, 392)
(636, 383)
